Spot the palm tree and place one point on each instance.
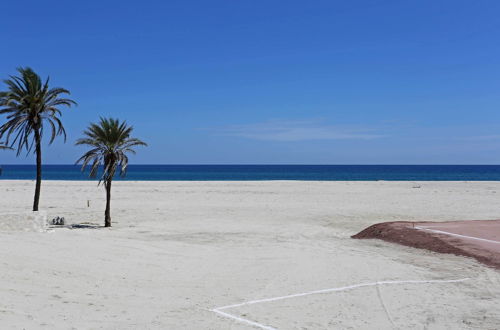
(30, 105)
(110, 141)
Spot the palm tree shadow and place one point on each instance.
(84, 226)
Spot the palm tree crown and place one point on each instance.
(29, 103)
(110, 141)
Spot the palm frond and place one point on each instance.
(110, 142)
(29, 105)
(4, 147)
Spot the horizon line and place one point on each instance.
(273, 164)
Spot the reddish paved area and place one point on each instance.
(484, 229)
(479, 239)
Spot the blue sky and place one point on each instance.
(271, 82)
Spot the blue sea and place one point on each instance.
(270, 172)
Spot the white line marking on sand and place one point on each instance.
(219, 311)
(457, 235)
(242, 320)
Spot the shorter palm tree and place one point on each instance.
(110, 142)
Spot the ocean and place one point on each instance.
(269, 172)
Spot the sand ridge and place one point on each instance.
(470, 238)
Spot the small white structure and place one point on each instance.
(24, 221)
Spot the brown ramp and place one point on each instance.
(479, 239)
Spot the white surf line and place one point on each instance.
(457, 235)
(219, 311)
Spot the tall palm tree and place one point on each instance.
(110, 142)
(30, 105)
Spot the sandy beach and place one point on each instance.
(179, 250)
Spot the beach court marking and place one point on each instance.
(457, 235)
(242, 320)
(219, 311)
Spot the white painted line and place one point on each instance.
(457, 235)
(219, 311)
(242, 320)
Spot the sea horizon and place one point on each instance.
(264, 172)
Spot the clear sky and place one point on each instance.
(266, 82)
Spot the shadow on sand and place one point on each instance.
(79, 226)
(85, 226)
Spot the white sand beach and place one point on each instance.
(177, 250)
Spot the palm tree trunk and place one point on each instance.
(38, 150)
(107, 213)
